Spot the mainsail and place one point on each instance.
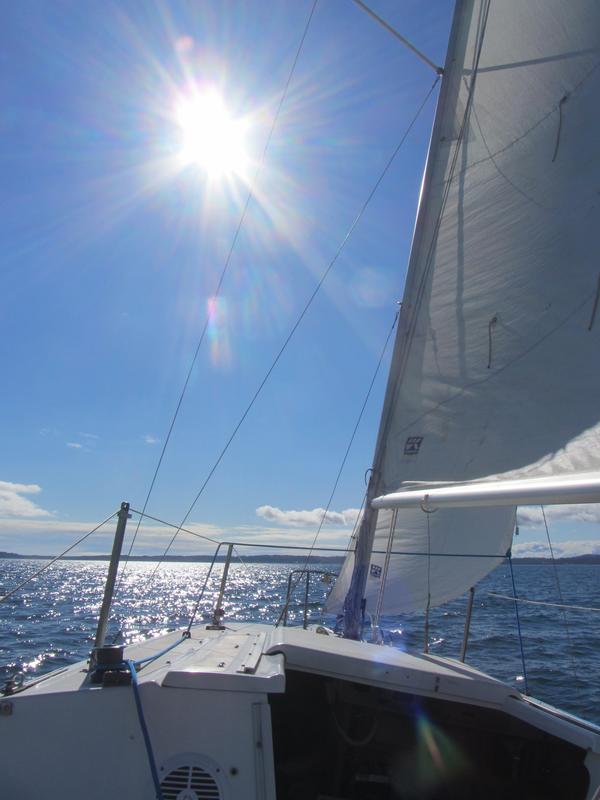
(495, 371)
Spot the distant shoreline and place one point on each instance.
(291, 559)
(261, 558)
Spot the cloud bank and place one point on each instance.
(531, 516)
(14, 504)
(570, 548)
(308, 517)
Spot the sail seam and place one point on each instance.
(524, 135)
(501, 369)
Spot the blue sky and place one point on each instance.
(112, 250)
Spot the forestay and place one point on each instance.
(495, 370)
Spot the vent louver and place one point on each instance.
(189, 783)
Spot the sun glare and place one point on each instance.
(211, 138)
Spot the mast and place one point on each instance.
(490, 381)
(354, 604)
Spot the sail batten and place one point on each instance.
(495, 368)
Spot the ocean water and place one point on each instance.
(51, 622)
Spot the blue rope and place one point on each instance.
(144, 727)
(133, 666)
(140, 661)
(512, 575)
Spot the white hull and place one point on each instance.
(256, 712)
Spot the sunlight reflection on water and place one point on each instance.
(52, 622)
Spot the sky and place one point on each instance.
(115, 233)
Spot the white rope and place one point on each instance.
(540, 602)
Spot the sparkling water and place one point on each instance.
(51, 622)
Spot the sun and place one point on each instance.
(211, 138)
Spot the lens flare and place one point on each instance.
(435, 760)
(220, 350)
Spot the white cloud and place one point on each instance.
(573, 547)
(49, 535)
(90, 436)
(531, 516)
(13, 504)
(74, 445)
(309, 517)
(149, 439)
(49, 432)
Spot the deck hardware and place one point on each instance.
(218, 613)
(283, 617)
(14, 683)
(107, 666)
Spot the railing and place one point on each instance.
(290, 589)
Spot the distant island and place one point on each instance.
(288, 559)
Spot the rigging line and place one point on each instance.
(348, 448)
(512, 577)
(217, 291)
(426, 648)
(56, 558)
(375, 552)
(354, 432)
(345, 549)
(438, 70)
(305, 309)
(173, 525)
(201, 595)
(562, 600)
(540, 602)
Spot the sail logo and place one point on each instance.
(375, 571)
(412, 445)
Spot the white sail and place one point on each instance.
(496, 365)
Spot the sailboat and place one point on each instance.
(491, 402)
